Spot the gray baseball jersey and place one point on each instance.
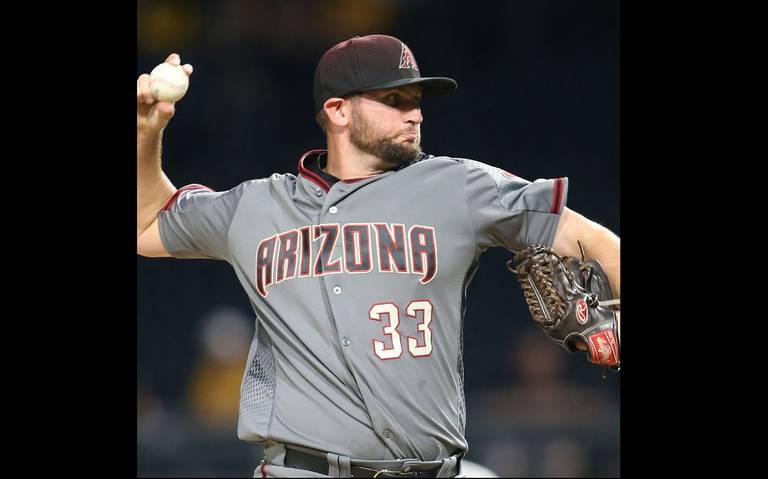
(359, 290)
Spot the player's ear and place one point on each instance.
(337, 115)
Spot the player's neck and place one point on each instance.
(351, 163)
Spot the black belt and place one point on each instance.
(319, 464)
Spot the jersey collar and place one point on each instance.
(311, 166)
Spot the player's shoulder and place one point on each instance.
(437, 160)
(473, 167)
(275, 180)
(195, 196)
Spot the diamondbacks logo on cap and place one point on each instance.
(406, 58)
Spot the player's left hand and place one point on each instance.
(571, 301)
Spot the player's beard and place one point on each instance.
(364, 136)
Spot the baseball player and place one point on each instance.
(357, 268)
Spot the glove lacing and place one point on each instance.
(535, 275)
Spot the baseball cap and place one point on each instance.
(371, 62)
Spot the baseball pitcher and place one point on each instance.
(357, 267)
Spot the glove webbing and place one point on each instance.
(536, 281)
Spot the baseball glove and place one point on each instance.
(571, 301)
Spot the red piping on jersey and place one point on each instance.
(172, 200)
(263, 470)
(557, 196)
(310, 175)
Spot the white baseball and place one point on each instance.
(168, 82)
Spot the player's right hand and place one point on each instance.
(152, 115)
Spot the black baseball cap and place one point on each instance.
(372, 62)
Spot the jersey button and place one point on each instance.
(387, 433)
(319, 191)
(332, 210)
(345, 341)
(337, 290)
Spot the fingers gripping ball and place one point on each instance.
(168, 82)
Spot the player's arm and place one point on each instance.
(153, 187)
(599, 243)
(149, 243)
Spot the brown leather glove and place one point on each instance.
(571, 301)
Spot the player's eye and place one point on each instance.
(398, 101)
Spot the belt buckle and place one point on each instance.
(404, 471)
(394, 473)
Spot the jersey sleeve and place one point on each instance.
(195, 222)
(512, 212)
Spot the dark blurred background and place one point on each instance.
(538, 96)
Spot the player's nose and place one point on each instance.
(414, 116)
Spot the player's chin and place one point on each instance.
(400, 153)
(411, 148)
(411, 143)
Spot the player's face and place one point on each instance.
(387, 124)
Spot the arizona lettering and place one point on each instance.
(353, 248)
